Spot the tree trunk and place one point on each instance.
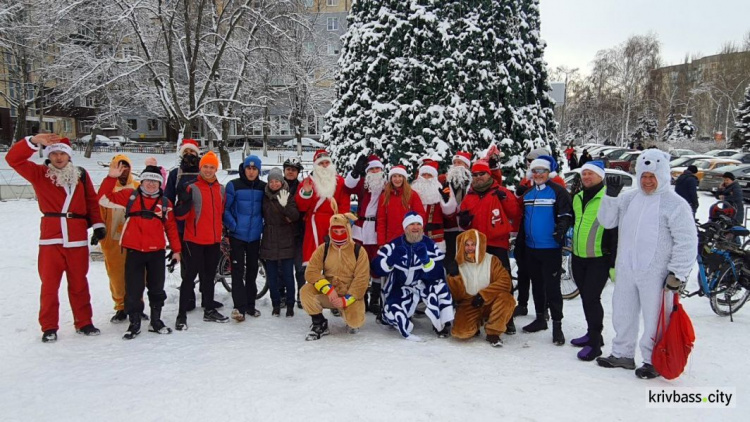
(20, 131)
(226, 162)
(266, 127)
(90, 146)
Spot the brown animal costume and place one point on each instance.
(485, 276)
(347, 275)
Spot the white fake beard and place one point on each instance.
(414, 237)
(375, 182)
(65, 177)
(428, 190)
(458, 176)
(324, 179)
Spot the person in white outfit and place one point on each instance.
(656, 249)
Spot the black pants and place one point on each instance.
(299, 270)
(501, 254)
(450, 246)
(544, 267)
(244, 257)
(591, 276)
(140, 266)
(201, 261)
(523, 281)
(184, 271)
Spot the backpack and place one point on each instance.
(147, 212)
(671, 352)
(357, 247)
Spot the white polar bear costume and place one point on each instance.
(657, 235)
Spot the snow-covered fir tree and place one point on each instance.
(428, 78)
(685, 128)
(670, 128)
(647, 129)
(743, 120)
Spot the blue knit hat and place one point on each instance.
(252, 160)
(595, 166)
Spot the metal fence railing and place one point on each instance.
(130, 148)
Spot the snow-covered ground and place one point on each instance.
(263, 369)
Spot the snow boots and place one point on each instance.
(510, 327)
(614, 362)
(49, 336)
(181, 323)
(212, 315)
(276, 311)
(88, 330)
(539, 324)
(520, 311)
(445, 332)
(318, 329)
(290, 310)
(494, 340)
(237, 315)
(557, 334)
(646, 372)
(134, 328)
(375, 305)
(592, 346)
(118, 317)
(157, 326)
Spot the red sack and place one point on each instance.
(671, 352)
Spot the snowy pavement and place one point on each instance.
(263, 369)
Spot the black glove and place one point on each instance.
(478, 301)
(360, 167)
(445, 193)
(614, 185)
(500, 194)
(521, 189)
(99, 234)
(559, 236)
(184, 196)
(451, 268)
(464, 218)
(494, 162)
(671, 282)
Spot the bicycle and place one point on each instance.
(723, 267)
(568, 286)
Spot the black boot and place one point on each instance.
(520, 311)
(445, 332)
(134, 328)
(538, 324)
(375, 305)
(510, 327)
(181, 323)
(557, 334)
(318, 329)
(157, 325)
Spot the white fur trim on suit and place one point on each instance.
(58, 147)
(398, 170)
(537, 163)
(462, 158)
(428, 170)
(596, 169)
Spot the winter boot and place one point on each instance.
(538, 324)
(445, 332)
(88, 330)
(118, 317)
(144, 317)
(276, 311)
(157, 325)
(181, 323)
(614, 362)
(520, 311)
(318, 329)
(352, 330)
(237, 315)
(494, 340)
(510, 327)
(589, 353)
(282, 294)
(254, 313)
(134, 328)
(299, 302)
(49, 336)
(290, 309)
(212, 315)
(646, 372)
(580, 341)
(375, 306)
(335, 312)
(557, 333)
(215, 304)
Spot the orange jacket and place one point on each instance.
(203, 219)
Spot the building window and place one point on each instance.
(128, 50)
(85, 126)
(49, 127)
(332, 2)
(256, 126)
(90, 101)
(332, 49)
(66, 126)
(284, 125)
(309, 3)
(153, 125)
(132, 124)
(312, 125)
(333, 24)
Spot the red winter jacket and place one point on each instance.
(494, 217)
(203, 220)
(391, 217)
(138, 233)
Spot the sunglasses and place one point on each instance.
(478, 174)
(539, 171)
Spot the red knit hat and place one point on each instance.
(463, 156)
(189, 144)
(62, 145)
(321, 155)
(429, 167)
(480, 166)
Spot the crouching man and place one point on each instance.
(413, 265)
(481, 288)
(337, 276)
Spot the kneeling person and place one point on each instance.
(413, 265)
(337, 276)
(481, 288)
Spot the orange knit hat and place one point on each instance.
(209, 158)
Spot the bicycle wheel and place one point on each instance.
(260, 280)
(568, 286)
(224, 273)
(729, 295)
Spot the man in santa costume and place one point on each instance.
(67, 200)
(458, 179)
(438, 202)
(367, 181)
(320, 196)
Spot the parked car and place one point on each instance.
(626, 162)
(573, 179)
(704, 165)
(687, 160)
(743, 157)
(744, 182)
(722, 152)
(675, 153)
(713, 178)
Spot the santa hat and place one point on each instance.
(374, 162)
(540, 163)
(595, 166)
(189, 144)
(320, 156)
(429, 167)
(480, 166)
(63, 145)
(412, 217)
(152, 173)
(463, 156)
(399, 169)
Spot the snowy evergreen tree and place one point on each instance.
(647, 129)
(428, 78)
(670, 128)
(743, 120)
(685, 128)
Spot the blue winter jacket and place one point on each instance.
(547, 212)
(243, 212)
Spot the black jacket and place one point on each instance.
(733, 195)
(687, 187)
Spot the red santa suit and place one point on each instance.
(319, 210)
(364, 229)
(437, 211)
(63, 242)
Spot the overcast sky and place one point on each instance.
(576, 29)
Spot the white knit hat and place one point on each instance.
(399, 169)
(537, 163)
(411, 218)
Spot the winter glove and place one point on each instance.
(395, 256)
(99, 234)
(521, 189)
(500, 194)
(283, 197)
(671, 282)
(494, 162)
(465, 218)
(420, 250)
(614, 185)
(184, 196)
(360, 167)
(445, 193)
(478, 301)
(451, 268)
(559, 236)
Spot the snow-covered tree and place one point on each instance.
(670, 133)
(685, 128)
(742, 122)
(647, 129)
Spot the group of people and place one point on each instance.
(438, 245)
